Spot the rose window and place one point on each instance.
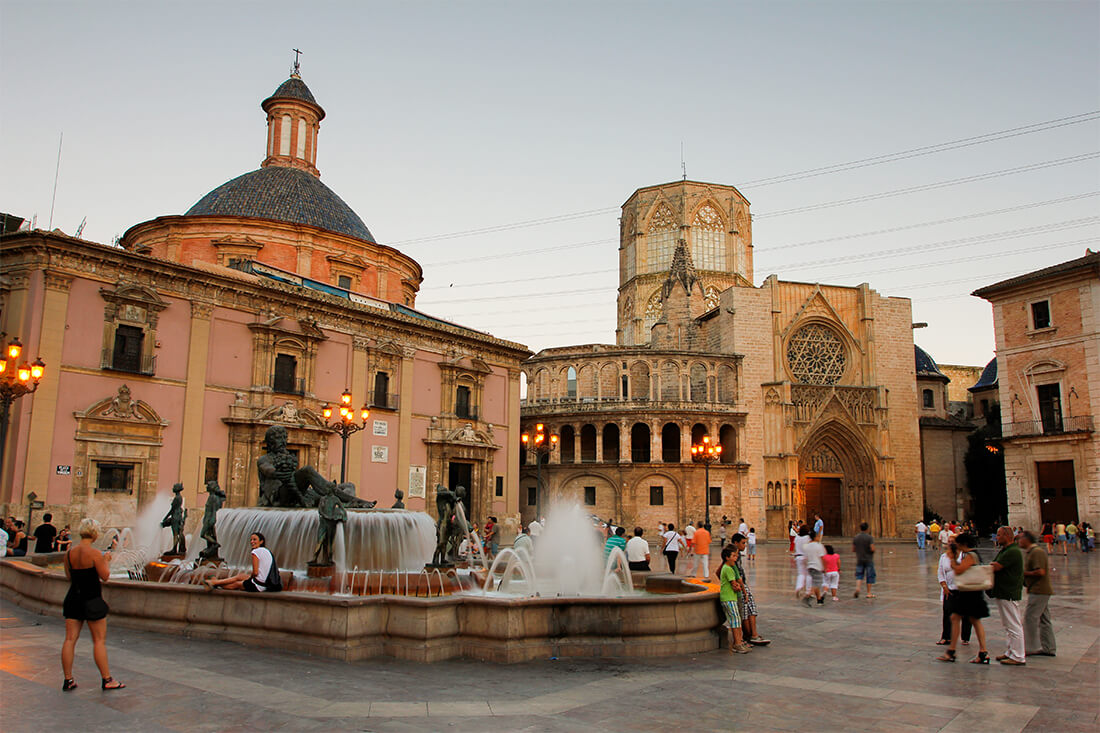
(816, 355)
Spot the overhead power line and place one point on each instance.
(927, 149)
(932, 186)
(796, 175)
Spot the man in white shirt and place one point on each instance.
(922, 534)
(813, 551)
(637, 551)
(534, 528)
(743, 528)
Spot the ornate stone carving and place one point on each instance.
(772, 397)
(823, 460)
(122, 405)
(816, 355)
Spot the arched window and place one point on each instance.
(727, 384)
(698, 383)
(929, 398)
(708, 245)
(571, 383)
(639, 381)
(670, 381)
(523, 385)
(698, 431)
(652, 313)
(727, 438)
(284, 136)
(611, 443)
(639, 443)
(670, 443)
(661, 239)
(568, 444)
(588, 444)
(301, 138)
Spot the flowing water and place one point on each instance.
(568, 560)
(370, 539)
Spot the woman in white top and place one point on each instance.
(254, 582)
(672, 542)
(946, 576)
(802, 580)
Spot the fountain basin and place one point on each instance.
(498, 629)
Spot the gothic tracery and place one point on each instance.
(816, 355)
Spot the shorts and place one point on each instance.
(832, 580)
(250, 586)
(865, 569)
(746, 604)
(1071, 538)
(816, 578)
(1048, 539)
(733, 620)
(1061, 538)
(751, 549)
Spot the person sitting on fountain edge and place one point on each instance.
(257, 581)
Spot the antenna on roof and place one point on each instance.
(683, 165)
(80, 229)
(57, 170)
(297, 72)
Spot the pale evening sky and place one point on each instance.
(446, 117)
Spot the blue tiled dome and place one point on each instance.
(283, 194)
(989, 376)
(926, 365)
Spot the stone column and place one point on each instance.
(198, 349)
(51, 338)
(599, 442)
(404, 425)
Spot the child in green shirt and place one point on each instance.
(729, 588)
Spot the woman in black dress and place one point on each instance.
(85, 567)
(968, 604)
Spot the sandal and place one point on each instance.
(982, 658)
(110, 683)
(942, 642)
(70, 684)
(948, 656)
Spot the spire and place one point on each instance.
(682, 271)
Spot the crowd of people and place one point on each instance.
(15, 541)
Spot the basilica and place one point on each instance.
(808, 389)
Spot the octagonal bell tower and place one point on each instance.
(713, 222)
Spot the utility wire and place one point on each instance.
(797, 175)
(945, 244)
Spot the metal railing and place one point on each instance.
(385, 400)
(289, 386)
(132, 365)
(1054, 425)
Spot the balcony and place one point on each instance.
(131, 364)
(1056, 425)
(547, 406)
(288, 385)
(384, 401)
(469, 413)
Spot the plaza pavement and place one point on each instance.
(854, 665)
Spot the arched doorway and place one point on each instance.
(837, 481)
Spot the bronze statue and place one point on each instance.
(446, 528)
(399, 495)
(175, 519)
(331, 512)
(283, 484)
(215, 498)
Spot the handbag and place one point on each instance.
(975, 577)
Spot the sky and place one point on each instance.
(494, 142)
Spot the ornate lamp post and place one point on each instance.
(539, 443)
(706, 453)
(345, 426)
(16, 380)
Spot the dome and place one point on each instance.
(294, 88)
(283, 194)
(926, 365)
(989, 376)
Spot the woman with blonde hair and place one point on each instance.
(86, 567)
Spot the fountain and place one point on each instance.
(381, 595)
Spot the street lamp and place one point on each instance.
(706, 453)
(540, 443)
(345, 426)
(16, 380)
